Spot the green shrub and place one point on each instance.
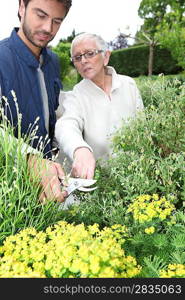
(133, 61)
(63, 52)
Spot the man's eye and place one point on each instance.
(40, 15)
(58, 22)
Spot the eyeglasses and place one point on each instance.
(88, 54)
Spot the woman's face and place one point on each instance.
(89, 67)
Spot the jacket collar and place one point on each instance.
(24, 52)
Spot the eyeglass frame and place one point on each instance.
(96, 51)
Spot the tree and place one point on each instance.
(69, 38)
(144, 37)
(164, 23)
(171, 34)
(119, 42)
(152, 11)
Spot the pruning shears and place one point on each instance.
(74, 184)
(79, 184)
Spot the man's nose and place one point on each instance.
(48, 26)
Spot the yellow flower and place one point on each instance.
(93, 229)
(83, 252)
(155, 197)
(150, 230)
(67, 250)
(145, 208)
(94, 264)
(173, 271)
(84, 269)
(75, 266)
(107, 272)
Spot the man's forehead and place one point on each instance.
(51, 7)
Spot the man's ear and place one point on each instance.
(21, 9)
(107, 57)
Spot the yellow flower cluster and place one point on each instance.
(150, 230)
(173, 271)
(146, 208)
(67, 250)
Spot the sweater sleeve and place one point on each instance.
(69, 127)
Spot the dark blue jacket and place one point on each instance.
(18, 72)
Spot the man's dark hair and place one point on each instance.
(67, 5)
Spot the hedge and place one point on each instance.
(133, 61)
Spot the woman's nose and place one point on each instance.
(83, 59)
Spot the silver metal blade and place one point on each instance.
(79, 184)
(84, 189)
(81, 181)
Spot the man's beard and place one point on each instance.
(30, 37)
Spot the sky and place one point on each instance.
(104, 17)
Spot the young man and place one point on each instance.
(32, 71)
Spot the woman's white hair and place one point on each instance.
(101, 44)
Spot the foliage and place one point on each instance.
(138, 207)
(19, 204)
(70, 79)
(164, 22)
(69, 38)
(63, 52)
(133, 61)
(152, 11)
(173, 38)
(142, 186)
(66, 250)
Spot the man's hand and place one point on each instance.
(47, 173)
(84, 163)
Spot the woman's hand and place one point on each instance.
(84, 163)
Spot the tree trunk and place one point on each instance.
(151, 59)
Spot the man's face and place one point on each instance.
(40, 21)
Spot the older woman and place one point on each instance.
(95, 107)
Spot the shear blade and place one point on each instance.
(85, 189)
(81, 181)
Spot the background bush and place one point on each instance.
(133, 61)
(63, 52)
